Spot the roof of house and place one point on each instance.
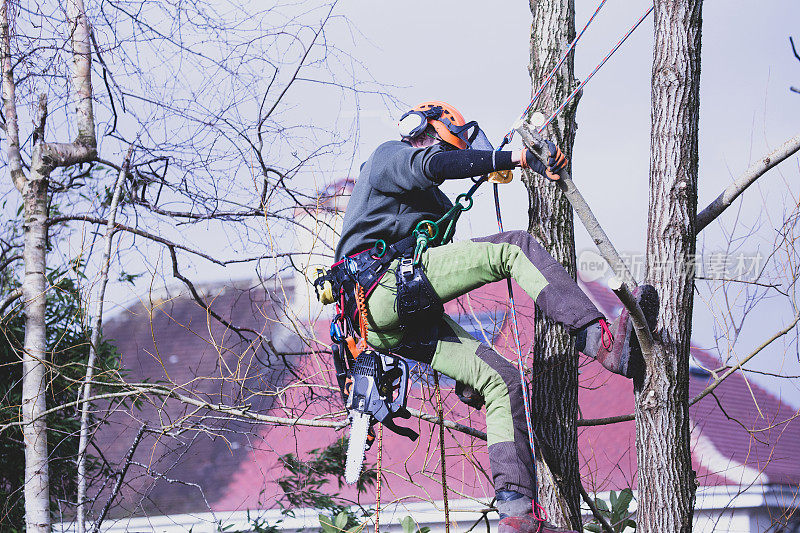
(171, 340)
(733, 444)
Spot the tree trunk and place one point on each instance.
(34, 385)
(666, 480)
(44, 158)
(34, 357)
(555, 384)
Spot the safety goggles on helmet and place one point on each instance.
(462, 136)
(414, 122)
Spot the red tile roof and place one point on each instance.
(730, 446)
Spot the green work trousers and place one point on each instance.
(453, 270)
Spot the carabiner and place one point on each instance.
(374, 252)
(429, 228)
(464, 207)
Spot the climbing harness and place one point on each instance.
(374, 385)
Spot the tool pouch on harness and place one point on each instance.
(417, 302)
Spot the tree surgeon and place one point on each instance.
(402, 287)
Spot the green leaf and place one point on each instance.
(327, 525)
(613, 500)
(408, 524)
(625, 499)
(424, 529)
(341, 520)
(594, 528)
(601, 504)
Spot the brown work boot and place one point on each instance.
(529, 524)
(616, 346)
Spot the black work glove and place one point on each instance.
(556, 162)
(469, 396)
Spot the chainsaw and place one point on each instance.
(374, 385)
(376, 388)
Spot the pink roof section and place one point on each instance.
(237, 465)
(731, 447)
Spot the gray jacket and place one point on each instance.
(393, 193)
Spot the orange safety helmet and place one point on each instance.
(445, 123)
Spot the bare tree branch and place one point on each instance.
(8, 261)
(9, 101)
(582, 209)
(595, 511)
(756, 170)
(94, 346)
(120, 478)
(741, 363)
(707, 390)
(604, 421)
(135, 231)
(11, 298)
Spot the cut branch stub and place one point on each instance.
(643, 332)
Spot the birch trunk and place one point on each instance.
(555, 384)
(34, 385)
(666, 480)
(33, 188)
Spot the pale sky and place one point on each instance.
(479, 64)
(474, 55)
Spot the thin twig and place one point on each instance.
(595, 511)
(741, 363)
(135, 231)
(120, 478)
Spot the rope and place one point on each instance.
(546, 82)
(603, 62)
(440, 414)
(378, 488)
(518, 347)
(510, 135)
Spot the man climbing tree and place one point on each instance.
(397, 200)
